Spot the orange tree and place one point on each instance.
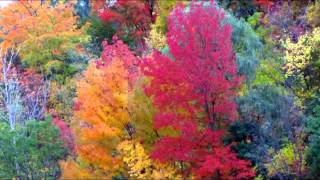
(101, 116)
(47, 36)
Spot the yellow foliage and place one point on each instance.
(156, 39)
(302, 63)
(141, 166)
(298, 55)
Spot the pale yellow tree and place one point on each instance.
(303, 65)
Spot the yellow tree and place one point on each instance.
(303, 68)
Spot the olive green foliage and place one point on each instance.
(141, 113)
(165, 8)
(58, 66)
(261, 31)
(269, 72)
(157, 34)
(61, 97)
(31, 151)
(288, 162)
(313, 14)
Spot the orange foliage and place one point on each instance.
(72, 170)
(23, 20)
(101, 116)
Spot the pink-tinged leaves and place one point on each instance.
(65, 133)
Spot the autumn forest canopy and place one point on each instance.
(160, 89)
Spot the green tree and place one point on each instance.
(313, 151)
(31, 151)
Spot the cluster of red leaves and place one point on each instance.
(128, 16)
(194, 93)
(267, 4)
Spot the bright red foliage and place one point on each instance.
(194, 93)
(129, 16)
(224, 164)
(203, 76)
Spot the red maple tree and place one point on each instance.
(193, 93)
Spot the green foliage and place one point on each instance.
(141, 113)
(239, 8)
(246, 45)
(313, 151)
(100, 31)
(262, 31)
(269, 72)
(244, 136)
(31, 151)
(54, 55)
